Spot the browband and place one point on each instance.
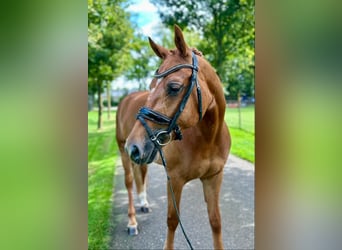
(174, 69)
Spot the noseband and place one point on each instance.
(161, 119)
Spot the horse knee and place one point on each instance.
(131, 213)
(128, 180)
(172, 223)
(215, 223)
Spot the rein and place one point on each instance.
(162, 137)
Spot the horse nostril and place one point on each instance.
(134, 153)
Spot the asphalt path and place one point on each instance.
(236, 203)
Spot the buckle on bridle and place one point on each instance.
(156, 138)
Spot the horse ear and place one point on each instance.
(180, 42)
(159, 50)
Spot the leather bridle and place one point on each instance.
(161, 119)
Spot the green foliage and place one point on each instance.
(142, 63)
(226, 31)
(109, 33)
(113, 102)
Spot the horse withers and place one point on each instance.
(182, 119)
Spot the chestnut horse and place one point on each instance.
(183, 123)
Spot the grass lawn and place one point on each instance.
(102, 155)
(242, 139)
(247, 118)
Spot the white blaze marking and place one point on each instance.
(158, 81)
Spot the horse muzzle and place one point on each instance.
(141, 153)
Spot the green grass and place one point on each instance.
(247, 118)
(242, 139)
(102, 155)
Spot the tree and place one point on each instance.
(109, 31)
(142, 63)
(227, 31)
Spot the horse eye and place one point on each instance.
(174, 88)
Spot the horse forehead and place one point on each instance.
(180, 74)
(171, 61)
(159, 81)
(156, 85)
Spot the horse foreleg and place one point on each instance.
(211, 188)
(172, 219)
(132, 225)
(140, 176)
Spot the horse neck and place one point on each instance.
(214, 116)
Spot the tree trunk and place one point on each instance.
(108, 99)
(99, 104)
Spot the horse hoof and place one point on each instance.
(133, 230)
(145, 209)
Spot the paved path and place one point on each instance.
(237, 211)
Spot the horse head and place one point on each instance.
(178, 99)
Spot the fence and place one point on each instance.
(240, 116)
(237, 116)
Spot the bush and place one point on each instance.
(112, 103)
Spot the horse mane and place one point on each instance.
(197, 52)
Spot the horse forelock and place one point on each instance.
(197, 52)
(193, 49)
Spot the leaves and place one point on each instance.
(226, 32)
(141, 63)
(109, 33)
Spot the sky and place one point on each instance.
(145, 15)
